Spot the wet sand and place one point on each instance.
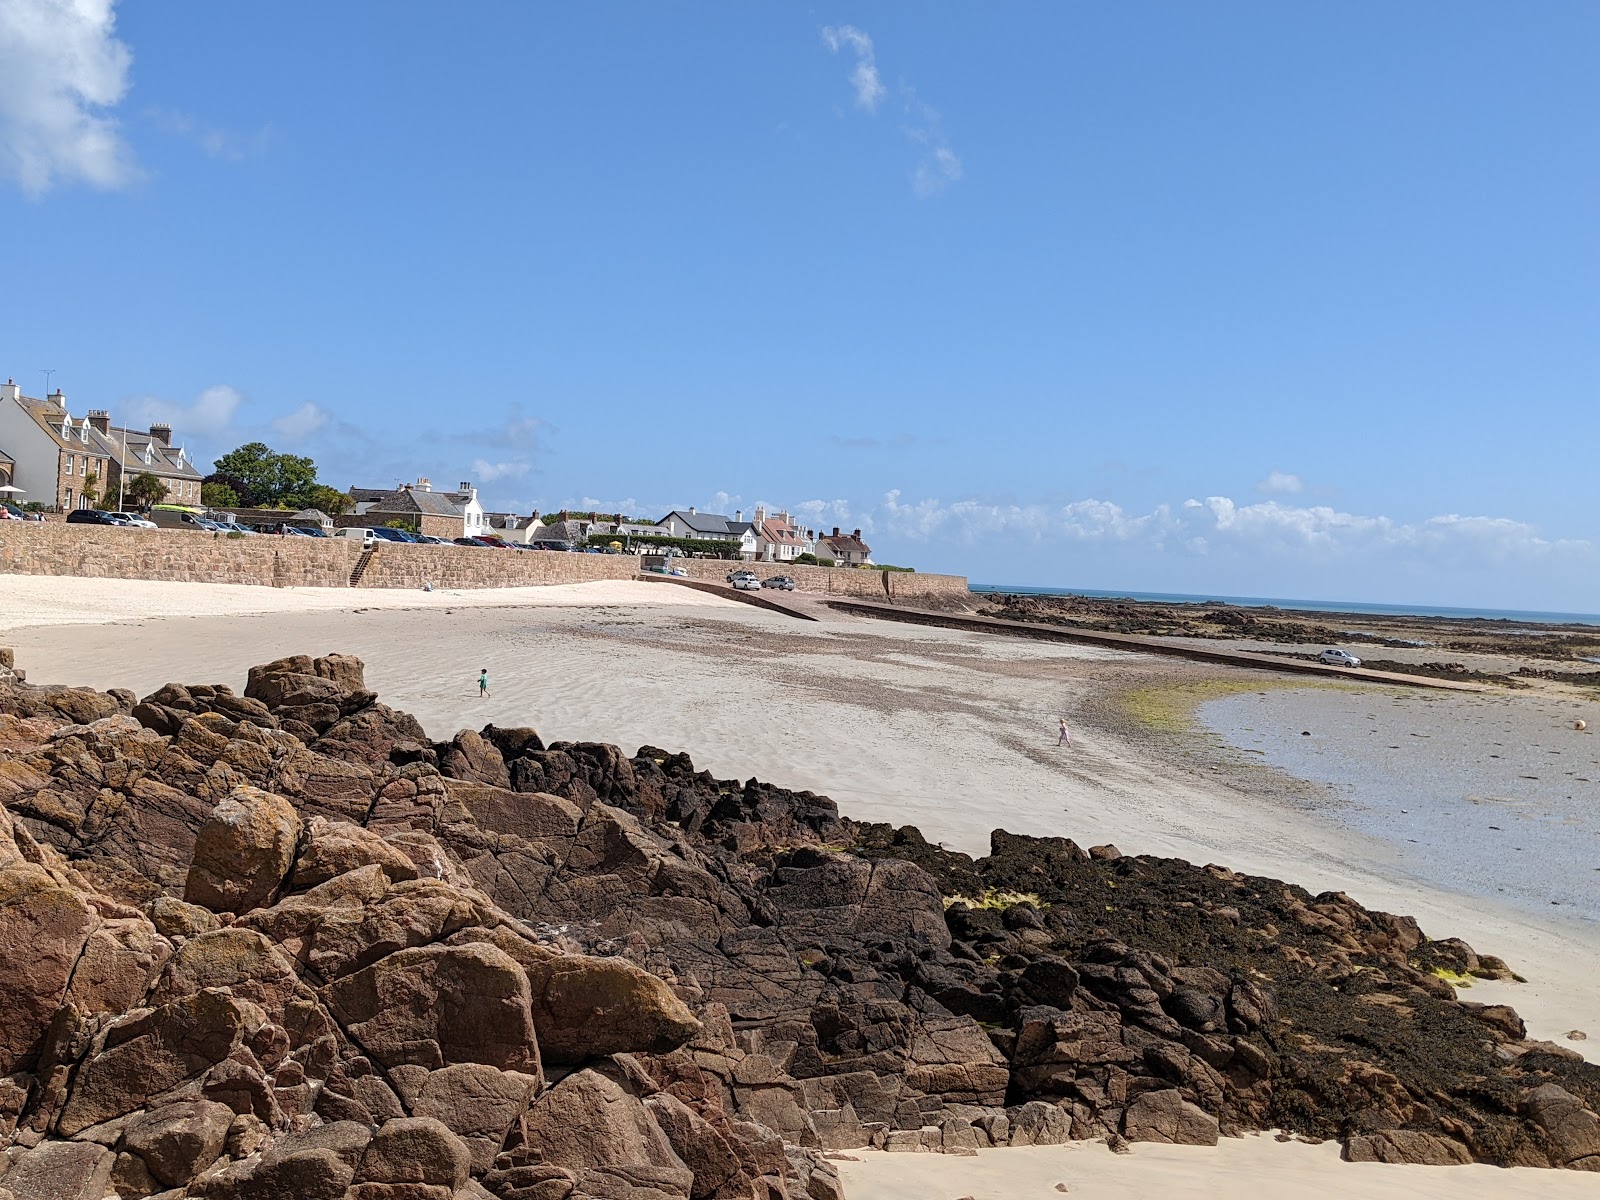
(1496, 795)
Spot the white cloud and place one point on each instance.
(1281, 483)
(484, 471)
(223, 144)
(302, 422)
(211, 413)
(1218, 524)
(864, 76)
(62, 70)
(937, 165)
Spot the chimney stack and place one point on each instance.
(761, 513)
(158, 433)
(58, 398)
(738, 514)
(11, 391)
(835, 531)
(466, 486)
(856, 535)
(100, 419)
(424, 484)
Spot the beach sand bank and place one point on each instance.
(953, 732)
(1250, 1168)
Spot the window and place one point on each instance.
(83, 465)
(66, 467)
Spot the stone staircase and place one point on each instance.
(361, 566)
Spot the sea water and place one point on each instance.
(1496, 797)
(1510, 615)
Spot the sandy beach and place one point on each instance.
(947, 730)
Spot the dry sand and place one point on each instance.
(947, 730)
(1249, 1168)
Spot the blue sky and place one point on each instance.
(1249, 298)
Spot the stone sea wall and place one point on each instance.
(841, 581)
(103, 552)
(94, 551)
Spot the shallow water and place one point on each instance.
(1491, 796)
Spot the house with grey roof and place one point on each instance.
(712, 527)
(438, 514)
(57, 457)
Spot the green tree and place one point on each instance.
(260, 476)
(322, 497)
(146, 490)
(218, 495)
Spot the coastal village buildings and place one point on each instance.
(712, 527)
(845, 550)
(510, 527)
(150, 451)
(65, 462)
(438, 514)
(778, 538)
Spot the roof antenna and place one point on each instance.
(47, 375)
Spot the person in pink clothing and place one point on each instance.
(1066, 734)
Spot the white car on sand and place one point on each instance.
(1339, 658)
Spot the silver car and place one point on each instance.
(1339, 658)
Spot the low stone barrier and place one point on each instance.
(188, 556)
(864, 584)
(99, 551)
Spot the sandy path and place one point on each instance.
(34, 600)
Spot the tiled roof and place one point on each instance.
(780, 533)
(845, 544)
(408, 500)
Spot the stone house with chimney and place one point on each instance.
(778, 538)
(151, 452)
(844, 550)
(53, 455)
(57, 455)
(446, 515)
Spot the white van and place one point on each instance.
(367, 538)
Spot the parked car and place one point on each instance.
(129, 521)
(746, 583)
(428, 539)
(566, 547)
(384, 534)
(358, 533)
(1339, 658)
(305, 531)
(233, 527)
(10, 512)
(782, 582)
(742, 573)
(90, 516)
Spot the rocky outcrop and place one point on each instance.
(281, 944)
